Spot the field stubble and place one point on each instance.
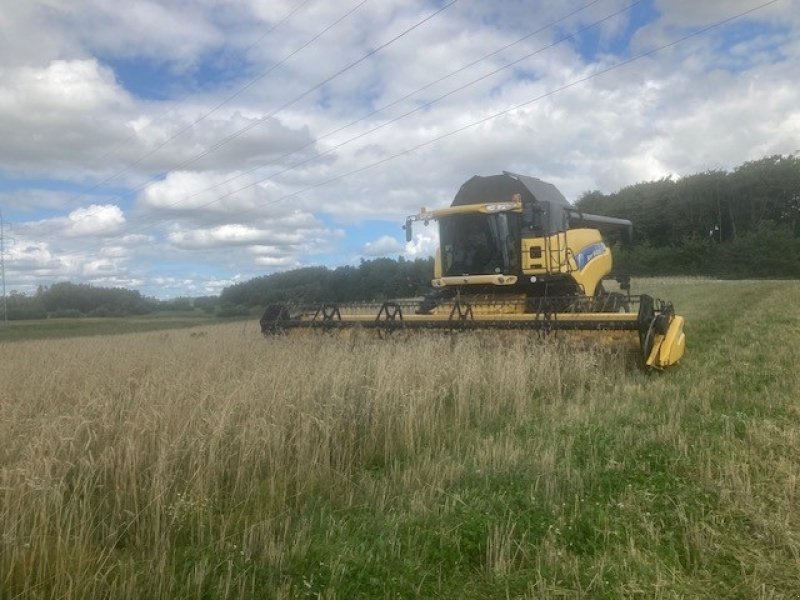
(214, 463)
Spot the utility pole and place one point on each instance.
(3, 266)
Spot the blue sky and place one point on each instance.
(90, 90)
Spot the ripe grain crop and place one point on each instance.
(214, 463)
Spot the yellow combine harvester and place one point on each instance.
(513, 254)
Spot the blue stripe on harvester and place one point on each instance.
(588, 253)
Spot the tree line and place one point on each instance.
(66, 299)
(377, 279)
(742, 223)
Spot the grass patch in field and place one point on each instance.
(44, 329)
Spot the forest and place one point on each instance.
(66, 300)
(739, 224)
(378, 279)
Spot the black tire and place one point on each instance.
(272, 319)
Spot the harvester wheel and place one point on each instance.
(273, 318)
(614, 302)
(389, 319)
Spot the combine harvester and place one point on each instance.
(513, 254)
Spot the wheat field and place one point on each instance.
(214, 463)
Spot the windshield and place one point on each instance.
(478, 244)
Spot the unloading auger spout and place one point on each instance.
(513, 254)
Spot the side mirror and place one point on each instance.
(409, 232)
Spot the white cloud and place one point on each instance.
(687, 13)
(423, 243)
(95, 220)
(25, 255)
(32, 199)
(276, 261)
(174, 31)
(229, 193)
(100, 268)
(98, 278)
(83, 225)
(70, 87)
(192, 285)
(385, 245)
(232, 235)
(73, 119)
(50, 118)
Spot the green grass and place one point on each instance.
(226, 465)
(41, 329)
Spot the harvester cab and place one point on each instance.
(513, 254)
(522, 234)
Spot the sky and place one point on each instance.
(179, 146)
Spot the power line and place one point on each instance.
(408, 113)
(310, 90)
(506, 111)
(277, 24)
(3, 266)
(218, 106)
(232, 96)
(503, 112)
(229, 138)
(409, 95)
